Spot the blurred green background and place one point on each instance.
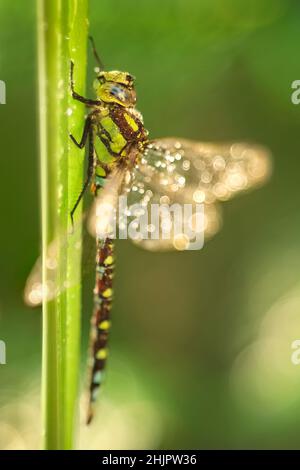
(201, 344)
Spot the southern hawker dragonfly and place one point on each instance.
(123, 161)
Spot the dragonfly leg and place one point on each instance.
(78, 97)
(90, 172)
(100, 323)
(85, 134)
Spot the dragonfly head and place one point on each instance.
(115, 87)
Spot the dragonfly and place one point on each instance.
(124, 161)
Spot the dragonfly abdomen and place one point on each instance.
(103, 293)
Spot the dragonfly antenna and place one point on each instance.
(96, 55)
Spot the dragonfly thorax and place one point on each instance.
(118, 130)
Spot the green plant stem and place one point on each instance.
(62, 37)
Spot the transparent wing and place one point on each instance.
(36, 290)
(179, 171)
(171, 172)
(97, 220)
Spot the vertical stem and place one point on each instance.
(62, 36)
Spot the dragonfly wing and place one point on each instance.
(103, 218)
(170, 171)
(182, 171)
(36, 291)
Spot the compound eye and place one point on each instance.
(101, 78)
(117, 92)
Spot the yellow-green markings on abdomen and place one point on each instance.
(103, 293)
